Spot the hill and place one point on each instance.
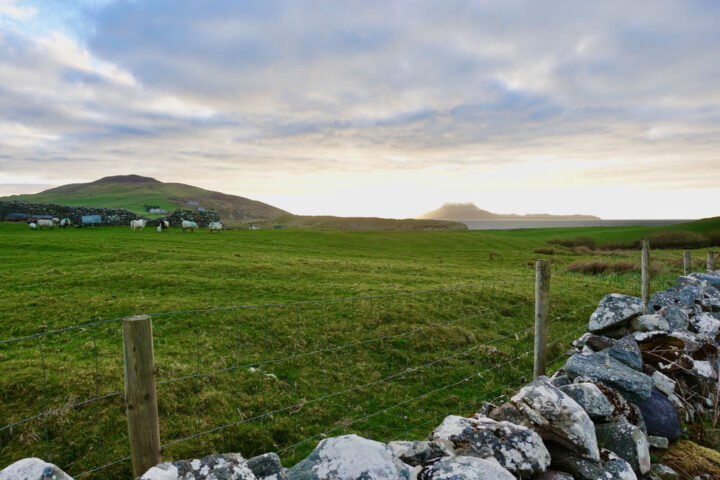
(135, 192)
(469, 211)
(327, 222)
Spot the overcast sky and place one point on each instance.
(386, 108)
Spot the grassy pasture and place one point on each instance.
(425, 323)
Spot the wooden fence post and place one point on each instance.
(686, 262)
(140, 394)
(542, 292)
(710, 261)
(645, 272)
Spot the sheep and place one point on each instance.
(42, 222)
(33, 225)
(159, 229)
(215, 226)
(139, 223)
(65, 222)
(188, 225)
(162, 226)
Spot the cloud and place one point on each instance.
(609, 92)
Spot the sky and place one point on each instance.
(372, 108)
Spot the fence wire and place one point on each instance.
(377, 319)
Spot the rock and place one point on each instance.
(515, 447)
(554, 475)
(675, 317)
(610, 466)
(33, 469)
(560, 380)
(556, 417)
(658, 442)
(664, 299)
(706, 279)
(230, 466)
(421, 453)
(595, 342)
(705, 324)
(688, 295)
(614, 311)
(627, 351)
(591, 399)
(649, 323)
(628, 442)
(350, 457)
(267, 466)
(705, 376)
(663, 472)
(602, 368)
(464, 468)
(660, 417)
(663, 383)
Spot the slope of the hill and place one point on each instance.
(135, 192)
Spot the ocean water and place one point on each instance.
(513, 224)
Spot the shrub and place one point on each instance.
(677, 239)
(597, 267)
(575, 242)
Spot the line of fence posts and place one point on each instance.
(141, 394)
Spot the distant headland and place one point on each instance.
(469, 211)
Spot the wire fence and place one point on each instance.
(277, 377)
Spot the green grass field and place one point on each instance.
(425, 323)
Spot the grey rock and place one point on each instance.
(663, 383)
(664, 299)
(610, 466)
(591, 399)
(627, 351)
(464, 468)
(33, 469)
(604, 369)
(350, 457)
(707, 278)
(267, 465)
(705, 324)
(663, 472)
(421, 453)
(648, 323)
(556, 417)
(554, 475)
(658, 442)
(515, 447)
(560, 380)
(628, 442)
(688, 295)
(675, 316)
(660, 417)
(230, 466)
(613, 311)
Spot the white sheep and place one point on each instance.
(139, 223)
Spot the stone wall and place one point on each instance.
(110, 216)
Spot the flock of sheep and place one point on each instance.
(134, 224)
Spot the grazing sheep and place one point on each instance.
(164, 224)
(140, 223)
(188, 225)
(33, 225)
(42, 222)
(65, 222)
(159, 229)
(215, 226)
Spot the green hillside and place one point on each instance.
(133, 192)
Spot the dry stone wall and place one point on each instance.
(110, 216)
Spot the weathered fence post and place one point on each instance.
(645, 272)
(542, 292)
(140, 394)
(710, 261)
(686, 262)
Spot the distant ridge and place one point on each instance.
(136, 193)
(469, 211)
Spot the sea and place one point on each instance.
(543, 223)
